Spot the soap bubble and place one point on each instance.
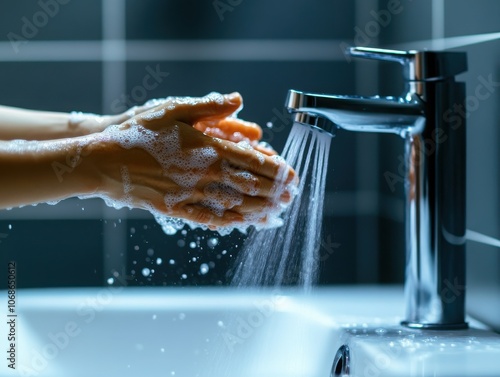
(204, 268)
(212, 242)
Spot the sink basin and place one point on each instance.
(121, 331)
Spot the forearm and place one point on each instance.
(24, 124)
(40, 171)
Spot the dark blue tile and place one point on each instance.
(50, 20)
(53, 253)
(190, 19)
(51, 86)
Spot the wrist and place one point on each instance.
(87, 123)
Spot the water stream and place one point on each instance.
(289, 255)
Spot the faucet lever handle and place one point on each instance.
(418, 65)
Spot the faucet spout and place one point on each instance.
(426, 117)
(360, 114)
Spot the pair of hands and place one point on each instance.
(189, 163)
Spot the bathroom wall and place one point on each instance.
(93, 56)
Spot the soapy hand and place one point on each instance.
(161, 163)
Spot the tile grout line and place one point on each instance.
(366, 228)
(113, 50)
(116, 49)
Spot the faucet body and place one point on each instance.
(429, 118)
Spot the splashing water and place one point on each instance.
(289, 254)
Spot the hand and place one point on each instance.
(158, 161)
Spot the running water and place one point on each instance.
(289, 254)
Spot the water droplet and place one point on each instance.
(10, 226)
(192, 245)
(194, 259)
(184, 276)
(224, 252)
(184, 232)
(136, 247)
(212, 242)
(171, 261)
(132, 230)
(204, 268)
(380, 331)
(162, 349)
(220, 324)
(139, 347)
(181, 243)
(159, 261)
(146, 271)
(172, 373)
(154, 316)
(110, 281)
(150, 252)
(182, 316)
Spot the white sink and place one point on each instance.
(221, 332)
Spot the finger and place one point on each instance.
(203, 215)
(255, 205)
(264, 148)
(246, 182)
(271, 167)
(230, 128)
(214, 105)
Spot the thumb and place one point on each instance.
(211, 106)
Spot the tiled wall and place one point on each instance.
(92, 56)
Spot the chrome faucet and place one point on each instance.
(427, 117)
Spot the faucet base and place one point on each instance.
(435, 326)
